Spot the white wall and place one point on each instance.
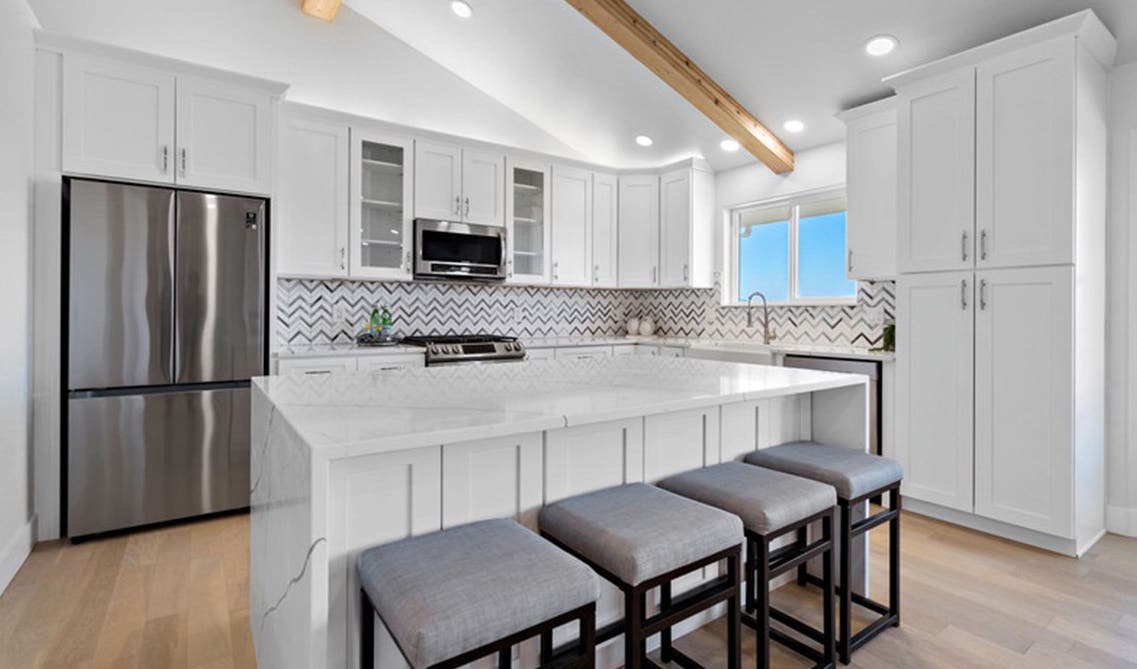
(16, 53)
(1121, 432)
(350, 64)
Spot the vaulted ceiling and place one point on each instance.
(782, 59)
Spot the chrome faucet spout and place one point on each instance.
(765, 315)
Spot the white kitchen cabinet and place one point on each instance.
(572, 226)
(934, 379)
(493, 478)
(381, 191)
(118, 119)
(483, 187)
(540, 353)
(1024, 397)
(438, 180)
(936, 164)
(583, 352)
(638, 231)
(224, 135)
(686, 229)
(870, 169)
(1025, 163)
(312, 216)
(624, 349)
(316, 366)
(680, 441)
(605, 215)
(527, 222)
(454, 183)
(388, 362)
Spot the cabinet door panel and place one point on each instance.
(118, 120)
(1025, 163)
(381, 224)
(639, 232)
(572, 227)
(312, 219)
(675, 229)
(438, 181)
(604, 230)
(483, 187)
(492, 478)
(934, 377)
(871, 217)
(936, 163)
(223, 137)
(1024, 398)
(527, 204)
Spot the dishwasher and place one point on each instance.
(870, 368)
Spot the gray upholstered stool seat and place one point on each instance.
(450, 592)
(853, 473)
(766, 500)
(637, 532)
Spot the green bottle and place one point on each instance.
(375, 324)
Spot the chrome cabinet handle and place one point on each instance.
(407, 259)
(467, 213)
(596, 274)
(686, 272)
(983, 294)
(850, 269)
(556, 271)
(457, 205)
(963, 245)
(343, 257)
(183, 162)
(983, 245)
(963, 294)
(653, 273)
(165, 158)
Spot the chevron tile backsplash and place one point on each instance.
(320, 311)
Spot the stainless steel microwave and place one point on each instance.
(453, 250)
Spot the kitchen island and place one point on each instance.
(345, 461)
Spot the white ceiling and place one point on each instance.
(781, 59)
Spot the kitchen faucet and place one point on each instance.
(765, 315)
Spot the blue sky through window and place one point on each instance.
(764, 261)
(821, 257)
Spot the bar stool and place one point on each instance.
(857, 477)
(639, 537)
(772, 505)
(451, 597)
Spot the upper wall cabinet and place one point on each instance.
(870, 168)
(527, 222)
(381, 224)
(119, 122)
(452, 183)
(572, 226)
(686, 235)
(118, 119)
(605, 198)
(936, 163)
(639, 231)
(311, 216)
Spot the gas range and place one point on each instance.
(457, 349)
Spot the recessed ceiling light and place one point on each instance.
(643, 140)
(793, 125)
(881, 45)
(729, 145)
(461, 9)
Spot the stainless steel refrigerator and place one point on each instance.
(165, 325)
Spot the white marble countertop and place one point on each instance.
(347, 414)
(743, 346)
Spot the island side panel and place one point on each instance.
(281, 543)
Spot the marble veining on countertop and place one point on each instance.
(366, 412)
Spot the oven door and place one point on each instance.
(447, 249)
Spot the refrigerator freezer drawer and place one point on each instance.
(139, 459)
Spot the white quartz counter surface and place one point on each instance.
(347, 414)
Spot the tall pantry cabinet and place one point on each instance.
(1001, 295)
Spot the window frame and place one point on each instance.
(730, 296)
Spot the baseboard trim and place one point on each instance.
(12, 557)
(988, 526)
(1121, 520)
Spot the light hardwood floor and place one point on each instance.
(177, 597)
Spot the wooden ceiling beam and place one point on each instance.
(620, 22)
(321, 9)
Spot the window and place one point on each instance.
(791, 250)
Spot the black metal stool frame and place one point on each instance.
(764, 565)
(847, 642)
(580, 654)
(637, 627)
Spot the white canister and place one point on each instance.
(633, 327)
(647, 326)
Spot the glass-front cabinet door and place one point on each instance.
(527, 222)
(381, 218)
